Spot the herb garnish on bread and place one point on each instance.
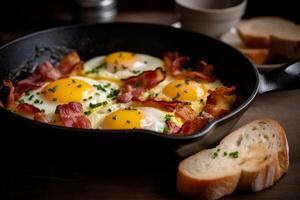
(251, 158)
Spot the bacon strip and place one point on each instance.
(215, 99)
(70, 63)
(28, 110)
(10, 100)
(44, 72)
(172, 127)
(190, 127)
(134, 86)
(71, 115)
(47, 72)
(174, 66)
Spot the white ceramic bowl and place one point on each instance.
(210, 17)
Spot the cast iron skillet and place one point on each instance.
(21, 56)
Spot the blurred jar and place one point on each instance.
(92, 11)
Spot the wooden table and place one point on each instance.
(158, 182)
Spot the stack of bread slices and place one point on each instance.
(269, 40)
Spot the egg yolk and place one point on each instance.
(120, 61)
(184, 90)
(66, 90)
(123, 119)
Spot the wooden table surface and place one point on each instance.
(119, 182)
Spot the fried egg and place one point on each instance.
(92, 94)
(127, 116)
(120, 65)
(188, 91)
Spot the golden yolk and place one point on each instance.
(123, 119)
(120, 61)
(184, 90)
(66, 90)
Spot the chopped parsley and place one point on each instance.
(107, 85)
(128, 121)
(73, 81)
(115, 69)
(187, 81)
(21, 101)
(176, 97)
(95, 105)
(53, 90)
(225, 153)
(135, 71)
(178, 85)
(79, 86)
(31, 97)
(88, 112)
(36, 101)
(168, 117)
(214, 155)
(27, 93)
(113, 94)
(166, 130)
(100, 87)
(54, 99)
(114, 117)
(234, 154)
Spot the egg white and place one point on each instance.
(95, 67)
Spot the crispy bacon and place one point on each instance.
(172, 127)
(10, 100)
(47, 72)
(174, 66)
(190, 127)
(26, 108)
(41, 117)
(44, 72)
(70, 63)
(215, 99)
(162, 105)
(71, 115)
(134, 86)
(185, 112)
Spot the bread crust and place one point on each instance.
(265, 174)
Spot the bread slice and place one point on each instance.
(251, 158)
(257, 56)
(285, 49)
(255, 32)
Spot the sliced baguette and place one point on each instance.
(255, 32)
(261, 160)
(257, 55)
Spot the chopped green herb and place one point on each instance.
(176, 97)
(79, 86)
(124, 67)
(90, 97)
(36, 101)
(168, 117)
(114, 117)
(27, 93)
(178, 85)
(115, 69)
(97, 94)
(31, 97)
(53, 89)
(38, 93)
(225, 153)
(41, 102)
(166, 130)
(187, 103)
(135, 71)
(234, 154)
(218, 150)
(113, 94)
(146, 62)
(88, 112)
(107, 85)
(92, 105)
(128, 121)
(84, 99)
(42, 110)
(214, 155)
(187, 81)
(109, 110)
(54, 99)
(185, 91)
(100, 87)
(73, 81)
(21, 101)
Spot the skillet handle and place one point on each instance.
(283, 78)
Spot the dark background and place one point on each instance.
(22, 17)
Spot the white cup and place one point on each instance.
(210, 17)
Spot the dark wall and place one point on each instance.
(30, 13)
